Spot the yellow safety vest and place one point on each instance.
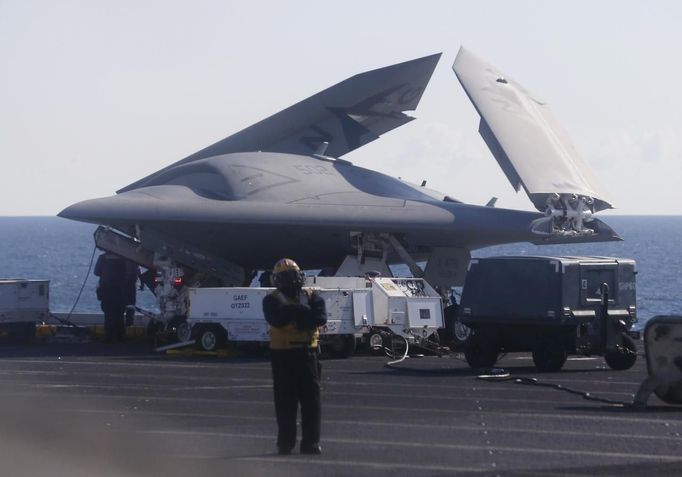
(288, 336)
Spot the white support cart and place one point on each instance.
(405, 307)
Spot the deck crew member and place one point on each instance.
(295, 316)
(115, 291)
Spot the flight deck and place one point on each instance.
(93, 409)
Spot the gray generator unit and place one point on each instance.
(552, 306)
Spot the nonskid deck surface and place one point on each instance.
(89, 409)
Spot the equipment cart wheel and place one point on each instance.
(549, 356)
(624, 357)
(341, 346)
(481, 350)
(183, 332)
(209, 338)
(461, 332)
(376, 343)
(178, 329)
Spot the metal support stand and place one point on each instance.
(415, 269)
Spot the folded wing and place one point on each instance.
(345, 116)
(529, 144)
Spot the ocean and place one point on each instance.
(61, 250)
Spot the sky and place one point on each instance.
(95, 95)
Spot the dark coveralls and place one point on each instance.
(115, 291)
(294, 341)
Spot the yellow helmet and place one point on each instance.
(285, 264)
(287, 275)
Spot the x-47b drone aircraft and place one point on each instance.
(281, 188)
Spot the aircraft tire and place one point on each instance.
(624, 358)
(481, 350)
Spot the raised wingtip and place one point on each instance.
(466, 57)
(428, 62)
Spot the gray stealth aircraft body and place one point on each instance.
(279, 188)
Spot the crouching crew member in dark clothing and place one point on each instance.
(295, 316)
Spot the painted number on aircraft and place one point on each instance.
(312, 170)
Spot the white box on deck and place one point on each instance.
(406, 303)
(339, 306)
(424, 312)
(24, 300)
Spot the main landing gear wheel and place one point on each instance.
(624, 357)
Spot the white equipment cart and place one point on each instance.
(378, 308)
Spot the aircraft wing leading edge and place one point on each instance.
(346, 116)
(520, 130)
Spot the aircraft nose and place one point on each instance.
(92, 210)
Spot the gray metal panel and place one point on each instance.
(347, 115)
(532, 148)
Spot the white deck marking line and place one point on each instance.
(114, 362)
(366, 423)
(352, 463)
(373, 465)
(470, 386)
(489, 386)
(374, 395)
(436, 445)
(268, 402)
(144, 386)
(123, 375)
